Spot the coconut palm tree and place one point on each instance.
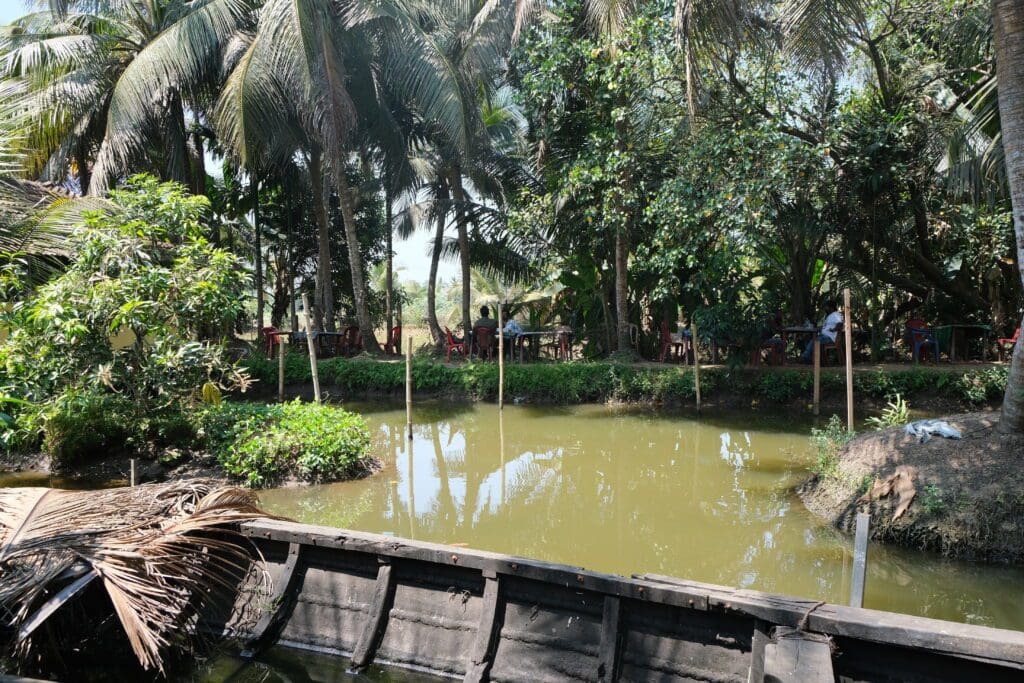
(1008, 16)
(103, 87)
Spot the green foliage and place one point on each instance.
(81, 426)
(895, 414)
(263, 444)
(827, 443)
(124, 319)
(932, 500)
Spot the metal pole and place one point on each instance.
(312, 346)
(696, 363)
(280, 369)
(408, 386)
(860, 559)
(848, 332)
(817, 373)
(501, 360)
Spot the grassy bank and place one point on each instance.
(589, 382)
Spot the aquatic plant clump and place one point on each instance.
(263, 444)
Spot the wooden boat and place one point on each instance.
(478, 616)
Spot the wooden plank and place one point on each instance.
(848, 331)
(608, 654)
(757, 646)
(53, 604)
(269, 626)
(376, 618)
(481, 655)
(860, 559)
(797, 657)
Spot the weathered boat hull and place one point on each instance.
(477, 615)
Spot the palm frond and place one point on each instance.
(162, 553)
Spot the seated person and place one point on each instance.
(485, 319)
(829, 331)
(512, 328)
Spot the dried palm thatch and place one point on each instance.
(161, 553)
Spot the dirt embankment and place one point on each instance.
(963, 498)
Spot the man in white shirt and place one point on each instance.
(829, 331)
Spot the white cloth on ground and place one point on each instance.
(923, 430)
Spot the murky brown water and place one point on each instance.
(631, 491)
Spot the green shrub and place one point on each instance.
(932, 500)
(827, 443)
(81, 427)
(262, 444)
(896, 413)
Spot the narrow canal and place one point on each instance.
(630, 490)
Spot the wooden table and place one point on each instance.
(536, 334)
(961, 330)
(796, 330)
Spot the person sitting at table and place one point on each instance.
(511, 331)
(829, 331)
(485, 319)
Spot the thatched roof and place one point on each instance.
(160, 552)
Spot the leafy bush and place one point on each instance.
(263, 444)
(895, 414)
(122, 322)
(81, 426)
(827, 443)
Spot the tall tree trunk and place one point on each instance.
(324, 290)
(435, 258)
(290, 259)
(459, 195)
(389, 277)
(198, 164)
(1008, 16)
(622, 289)
(178, 158)
(260, 303)
(355, 263)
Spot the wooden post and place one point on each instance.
(131, 476)
(408, 387)
(696, 362)
(817, 373)
(501, 360)
(860, 559)
(311, 343)
(280, 369)
(848, 332)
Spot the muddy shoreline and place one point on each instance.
(963, 498)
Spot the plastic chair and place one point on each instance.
(1005, 345)
(678, 347)
(483, 338)
(394, 343)
(921, 336)
(271, 338)
(453, 345)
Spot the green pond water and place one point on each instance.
(629, 490)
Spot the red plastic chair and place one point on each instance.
(484, 341)
(667, 342)
(271, 338)
(453, 345)
(1005, 345)
(921, 336)
(394, 342)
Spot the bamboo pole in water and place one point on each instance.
(132, 475)
(696, 362)
(280, 369)
(408, 387)
(311, 343)
(501, 360)
(817, 373)
(848, 332)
